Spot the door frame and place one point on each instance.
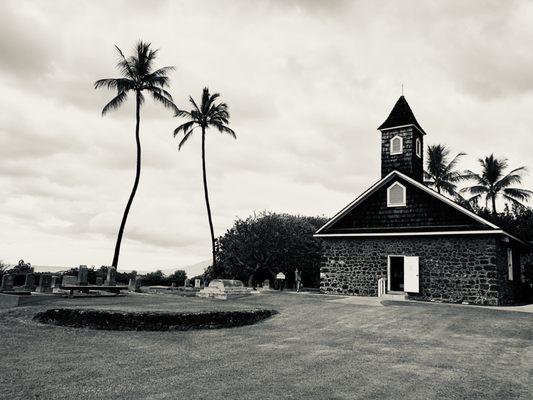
(388, 267)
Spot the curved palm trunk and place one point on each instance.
(493, 198)
(135, 184)
(206, 194)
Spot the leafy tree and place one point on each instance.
(441, 173)
(492, 182)
(178, 277)
(208, 114)
(138, 77)
(260, 246)
(22, 267)
(516, 220)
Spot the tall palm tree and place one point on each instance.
(440, 173)
(138, 76)
(493, 183)
(208, 114)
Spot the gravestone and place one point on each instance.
(56, 281)
(138, 282)
(266, 284)
(99, 280)
(29, 284)
(83, 275)
(45, 283)
(225, 289)
(197, 283)
(69, 280)
(187, 282)
(131, 284)
(7, 282)
(111, 277)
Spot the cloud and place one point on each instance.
(307, 83)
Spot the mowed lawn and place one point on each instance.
(318, 347)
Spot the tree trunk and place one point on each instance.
(493, 198)
(135, 184)
(207, 198)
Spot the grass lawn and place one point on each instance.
(318, 347)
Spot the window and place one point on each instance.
(510, 263)
(396, 145)
(396, 195)
(418, 147)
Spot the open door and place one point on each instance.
(411, 274)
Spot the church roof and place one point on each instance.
(400, 115)
(479, 226)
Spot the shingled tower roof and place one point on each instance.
(401, 115)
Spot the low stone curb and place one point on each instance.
(150, 321)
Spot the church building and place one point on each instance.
(413, 241)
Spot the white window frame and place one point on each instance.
(418, 147)
(401, 145)
(404, 202)
(510, 263)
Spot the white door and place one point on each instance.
(410, 275)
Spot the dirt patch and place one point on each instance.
(150, 321)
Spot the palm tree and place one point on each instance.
(209, 114)
(441, 173)
(138, 76)
(492, 183)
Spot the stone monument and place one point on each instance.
(224, 289)
(7, 283)
(83, 275)
(197, 283)
(111, 276)
(29, 283)
(69, 280)
(138, 282)
(45, 283)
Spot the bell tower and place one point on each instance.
(402, 142)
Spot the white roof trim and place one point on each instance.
(403, 126)
(429, 233)
(421, 186)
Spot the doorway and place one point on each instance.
(396, 273)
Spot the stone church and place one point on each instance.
(414, 241)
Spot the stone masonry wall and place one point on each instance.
(451, 268)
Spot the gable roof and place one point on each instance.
(489, 227)
(401, 115)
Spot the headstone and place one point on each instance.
(83, 275)
(225, 289)
(7, 282)
(99, 280)
(29, 284)
(131, 284)
(69, 280)
(173, 284)
(45, 283)
(197, 283)
(187, 282)
(266, 284)
(138, 282)
(56, 281)
(111, 277)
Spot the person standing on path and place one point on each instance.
(298, 279)
(281, 280)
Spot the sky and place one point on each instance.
(307, 83)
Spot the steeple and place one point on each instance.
(402, 142)
(400, 115)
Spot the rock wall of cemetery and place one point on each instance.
(451, 269)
